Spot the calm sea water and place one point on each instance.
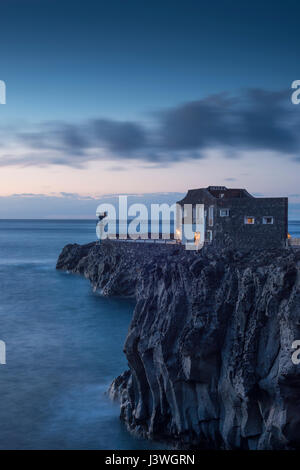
(294, 228)
(64, 345)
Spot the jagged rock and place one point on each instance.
(209, 345)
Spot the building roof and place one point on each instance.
(228, 193)
(195, 196)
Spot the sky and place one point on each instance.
(145, 98)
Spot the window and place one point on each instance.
(224, 212)
(209, 236)
(249, 220)
(194, 215)
(222, 195)
(187, 214)
(211, 216)
(268, 220)
(197, 238)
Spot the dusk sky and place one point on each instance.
(145, 97)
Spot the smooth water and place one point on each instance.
(294, 228)
(64, 345)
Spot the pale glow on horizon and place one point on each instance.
(266, 173)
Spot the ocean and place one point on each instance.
(294, 228)
(64, 344)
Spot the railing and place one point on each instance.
(143, 238)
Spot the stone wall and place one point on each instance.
(234, 232)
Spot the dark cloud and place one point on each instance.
(120, 136)
(256, 119)
(252, 120)
(196, 125)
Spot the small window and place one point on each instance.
(209, 236)
(187, 214)
(211, 216)
(268, 220)
(197, 238)
(249, 220)
(224, 212)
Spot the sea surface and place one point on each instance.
(64, 344)
(294, 228)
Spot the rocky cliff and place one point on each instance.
(210, 343)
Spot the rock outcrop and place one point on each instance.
(210, 343)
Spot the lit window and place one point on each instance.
(268, 220)
(249, 220)
(224, 212)
(197, 238)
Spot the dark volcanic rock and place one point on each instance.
(209, 345)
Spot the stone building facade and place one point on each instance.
(233, 217)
